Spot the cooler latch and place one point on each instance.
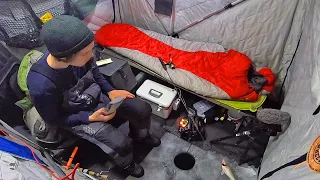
(159, 108)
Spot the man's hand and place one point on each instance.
(119, 93)
(101, 115)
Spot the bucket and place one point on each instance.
(234, 115)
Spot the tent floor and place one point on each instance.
(158, 162)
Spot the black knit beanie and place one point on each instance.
(65, 35)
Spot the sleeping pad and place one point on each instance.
(227, 70)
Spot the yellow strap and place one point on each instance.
(46, 17)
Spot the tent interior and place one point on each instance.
(280, 35)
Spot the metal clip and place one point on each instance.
(159, 108)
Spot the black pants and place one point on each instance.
(110, 139)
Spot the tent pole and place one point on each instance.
(173, 16)
(158, 18)
(208, 16)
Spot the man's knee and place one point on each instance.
(142, 108)
(108, 135)
(145, 109)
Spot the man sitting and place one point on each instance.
(75, 100)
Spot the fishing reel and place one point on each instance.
(170, 63)
(191, 127)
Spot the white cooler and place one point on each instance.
(158, 96)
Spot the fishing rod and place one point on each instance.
(191, 112)
(230, 5)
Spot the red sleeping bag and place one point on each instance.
(227, 70)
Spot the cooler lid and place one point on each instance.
(157, 93)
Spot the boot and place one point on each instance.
(135, 170)
(147, 139)
(151, 140)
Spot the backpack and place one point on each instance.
(22, 20)
(42, 131)
(19, 25)
(28, 60)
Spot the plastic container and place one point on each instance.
(158, 96)
(202, 107)
(234, 115)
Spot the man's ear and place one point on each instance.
(62, 59)
(67, 59)
(70, 58)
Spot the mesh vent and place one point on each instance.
(15, 18)
(55, 7)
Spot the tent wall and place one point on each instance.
(265, 30)
(268, 30)
(102, 14)
(141, 13)
(303, 79)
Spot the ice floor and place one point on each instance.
(159, 163)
